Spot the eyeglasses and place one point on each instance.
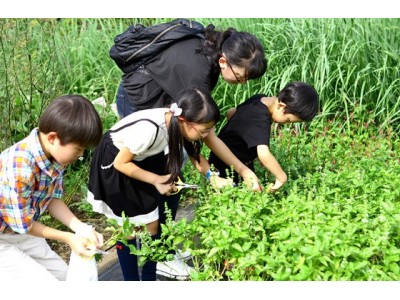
(202, 134)
(239, 80)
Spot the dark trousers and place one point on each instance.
(172, 203)
(129, 263)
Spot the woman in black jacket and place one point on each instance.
(195, 62)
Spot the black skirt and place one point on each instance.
(118, 191)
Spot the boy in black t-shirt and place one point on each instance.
(247, 132)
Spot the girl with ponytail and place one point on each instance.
(140, 158)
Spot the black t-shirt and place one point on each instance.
(180, 66)
(249, 127)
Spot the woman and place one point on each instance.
(195, 62)
(192, 62)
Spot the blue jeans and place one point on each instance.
(124, 106)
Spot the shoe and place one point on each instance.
(176, 268)
(183, 255)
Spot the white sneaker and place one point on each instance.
(183, 255)
(176, 268)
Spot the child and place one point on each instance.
(140, 158)
(247, 132)
(31, 174)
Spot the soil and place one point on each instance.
(185, 210)
(97, 220)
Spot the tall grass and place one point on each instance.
(28, 74)
(353, 63)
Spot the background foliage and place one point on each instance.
(353, 63)
(336, 219)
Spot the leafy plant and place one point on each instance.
(336, 219)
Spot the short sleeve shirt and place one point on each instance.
(248, 128)
(28, 182)
(140, 130)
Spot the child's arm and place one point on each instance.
(272, 165)
(123, 163)
(82, 245)
(230, 113)
(203, 166)
(226, 155)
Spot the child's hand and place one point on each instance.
(87, 240)
(82, 246)
(164, 188)
(251, 180)
(97, 238)
(220, 182)
(273, 187)
(87, 231)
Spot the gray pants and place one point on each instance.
(29, 258)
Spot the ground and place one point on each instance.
(98, 220)
(185, 210)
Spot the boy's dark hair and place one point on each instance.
(74, 119)
(241, 49)
(301, 100)
(197, 107)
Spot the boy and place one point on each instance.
(31, 181)
(247, 132)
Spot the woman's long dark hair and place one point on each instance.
(197, 107)
(241, 49)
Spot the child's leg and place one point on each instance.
(23, 256)
(128, 261)
(47, 257)
(172, 204)
(149, 268)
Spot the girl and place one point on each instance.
(140, 158)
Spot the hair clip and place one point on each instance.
(175, 110)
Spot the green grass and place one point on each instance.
(353, 64)
(336, 219)
(340, 166)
